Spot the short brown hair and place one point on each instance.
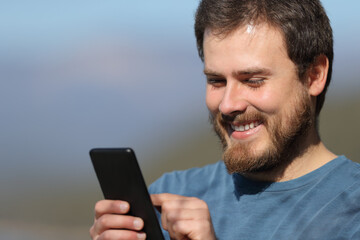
(304, 23)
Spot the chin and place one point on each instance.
(244, 158)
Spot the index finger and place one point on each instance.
(159, 199)
(110, 207)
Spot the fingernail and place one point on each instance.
(123, 207)
(137, 224)
(141, 235)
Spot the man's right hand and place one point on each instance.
(111, 223)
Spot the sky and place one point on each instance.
(82, 74)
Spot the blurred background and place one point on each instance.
(82, 74)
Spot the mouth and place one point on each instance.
(245, 126)
(245, 130)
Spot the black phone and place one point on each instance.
(120, 178)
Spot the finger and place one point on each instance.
(176, 201)
(183, 203)
(186, 227)
(170, 218)
(159, 199)
(114, 221)
(122, 235)
(176, 230)
(93, 234)
(186, 214)
(111, 206)
(192, 229)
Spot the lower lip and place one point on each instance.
(245, 134)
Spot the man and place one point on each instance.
(268, 64)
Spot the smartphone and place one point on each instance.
(120, 178)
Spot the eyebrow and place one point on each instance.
(252, 71)
(209, 72)
(249, 71)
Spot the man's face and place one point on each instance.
(257, 104)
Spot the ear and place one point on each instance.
(317, 75)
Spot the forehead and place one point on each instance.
(248, 44)
(249, 33)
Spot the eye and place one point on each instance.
(254, 82)
(216, 82)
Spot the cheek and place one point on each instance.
(213, 99)
(268, 102)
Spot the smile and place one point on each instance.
(245, 127)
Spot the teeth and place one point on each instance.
(245, 127)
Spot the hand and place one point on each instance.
(110, 223)
(184, 217)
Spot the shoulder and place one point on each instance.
(348, 175)
(188, 181)
(346, 170)
(343, 186)
(340, 177)
(340, 208)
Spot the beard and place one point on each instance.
(285, 132)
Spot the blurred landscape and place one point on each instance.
(83, 74)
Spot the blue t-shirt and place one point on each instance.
(324, 204)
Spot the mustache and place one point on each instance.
(238, 118)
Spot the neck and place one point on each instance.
(311, 155)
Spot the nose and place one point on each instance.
(233, 101)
